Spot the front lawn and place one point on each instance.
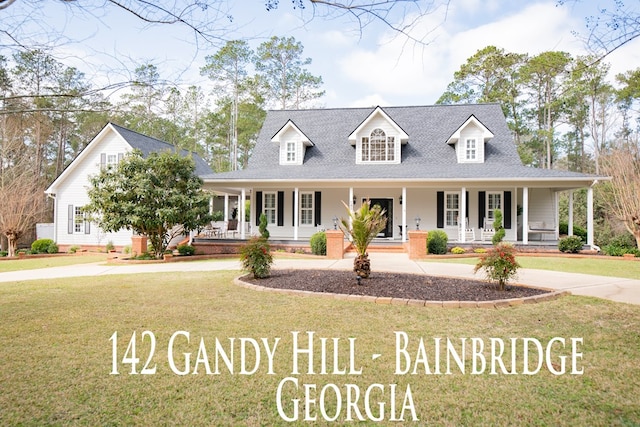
(49, 261)
(599, 266)
(57, 357)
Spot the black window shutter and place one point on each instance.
(280, 208)
(482, 204)
(258, 206)
(70, 220)
(317, 207)
(103, 160)
(506, 218)
(293, 208)
(466, 205)
(440, 209)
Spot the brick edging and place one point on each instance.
(510, 302)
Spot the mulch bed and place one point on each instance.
(395, 285)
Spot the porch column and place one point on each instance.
(570, 227)
(226, 207)
(211, 204)
(404, 214)
(590, 241)
(462, 225)
(556, 214)
(243, 197)
(296, 202)
(351, 204)
(525, 215)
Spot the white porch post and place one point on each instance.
(590, 240)
(570, 227)
(525, 215)
(404, 214)
(243, 197)
(226, 207)
(556, 214)
(296, 202)
(350, 203)
(211, 204)
(462, 225)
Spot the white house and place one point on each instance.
(445, 167)
(69, 190)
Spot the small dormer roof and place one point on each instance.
(291, 125)
(404, 138)
(487, 134)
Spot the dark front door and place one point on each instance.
(387, 207)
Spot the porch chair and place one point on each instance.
(231, 226)
(487, 232)
(469, 232)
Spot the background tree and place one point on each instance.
(623, 195)
(158, 196)
(280, 64)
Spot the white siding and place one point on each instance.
(378, 122)
(470, 131)
(73, 191)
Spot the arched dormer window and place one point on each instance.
(378, 147)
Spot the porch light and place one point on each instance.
(355, 199)
(335, 222)
(401, 199)
(417, 218)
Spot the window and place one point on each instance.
(110, 160)
(270, 207)
(291, 152)
(452, 209)
(306, 208)
(494, 201)
(470, 149)
(378, 147)
(78, 220)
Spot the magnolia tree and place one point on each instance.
(158, 196)
(362, 227)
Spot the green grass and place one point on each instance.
(56, 355)
(45, 262)
(605, 266)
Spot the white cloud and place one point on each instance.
(406, 74)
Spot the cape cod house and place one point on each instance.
(69, 190)
(446, 167)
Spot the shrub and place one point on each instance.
(571, 244)
(480, 251)
(256, 257)
(73, 249)
(497, 225)
(3, 253)
(577, 231)
(186, 250)
(110, 247)
(437, 242)
(217, 216)
(620, 245)
(458, 250)
(263, 226)
(318, 243)
(499, 264)
(126, 249)
(44, 246)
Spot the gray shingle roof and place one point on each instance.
(148, 145)
(427, 156)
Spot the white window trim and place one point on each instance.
(311, 209)
(293, 152)
(274, 208)
(446, 209)
(388, 137)
(489, 211)
(468, 150)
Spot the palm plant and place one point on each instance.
(362, 227)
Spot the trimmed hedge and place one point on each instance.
(437, 242)
(44, 246)
(318, 243)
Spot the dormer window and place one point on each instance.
(471, 149)
(378, 147)
(469, 141)
(292, 144)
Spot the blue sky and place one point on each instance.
(372, 68)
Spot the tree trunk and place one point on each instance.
(12, 244)
(362, 266)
